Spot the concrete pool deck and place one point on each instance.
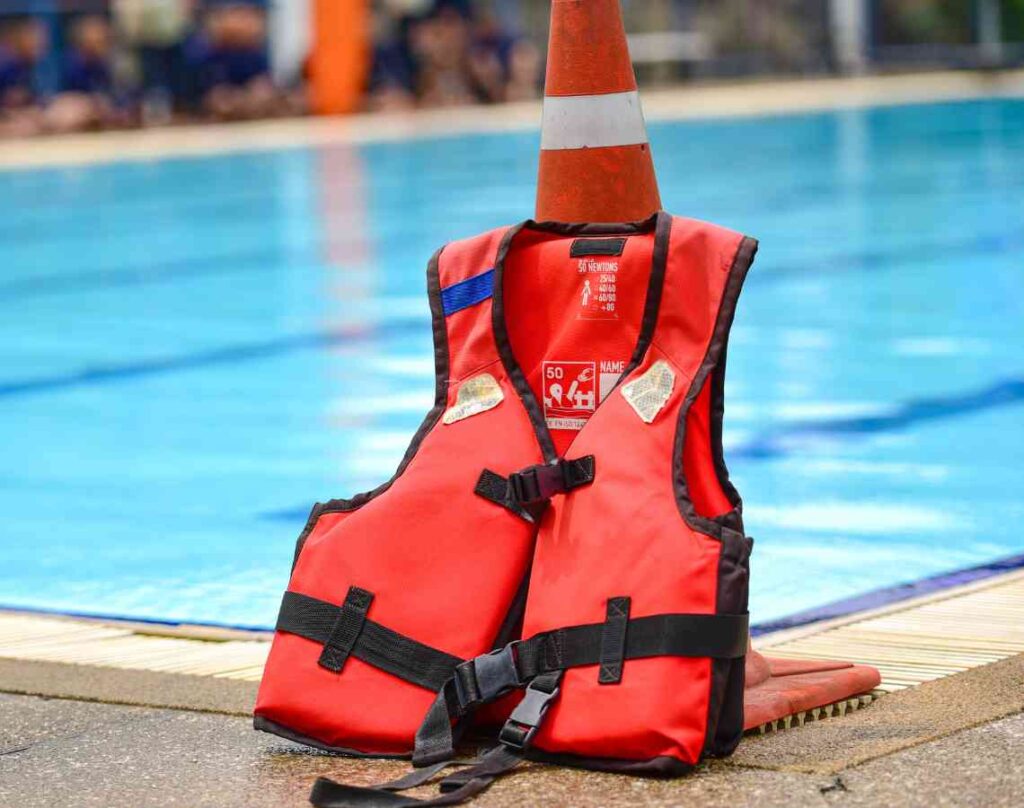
(949, 732)
(960, 752)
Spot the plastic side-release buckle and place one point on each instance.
(541, 482)
(486, 677)
(521, 727)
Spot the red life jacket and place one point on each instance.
(564, 506)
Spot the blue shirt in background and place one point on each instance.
(84, 74)
(217, 67)
(17, 80)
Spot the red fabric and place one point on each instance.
(623, 535)
(443, 563)
(545, 317)
(698, 459)
(470, 336)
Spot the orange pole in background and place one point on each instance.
(339, 59)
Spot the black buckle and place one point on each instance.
(539, 483)
(486, 677)
(526, 718)
(531, 485)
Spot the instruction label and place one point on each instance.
(598, 290)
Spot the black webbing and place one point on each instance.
(347, 627)
(375, 645)
(492, 486)
(455, 790)
(613, 641)
(435, 738)
(720, 636)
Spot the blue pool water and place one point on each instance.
(194, 350)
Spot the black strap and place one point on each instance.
(487, 677)
(347, 627)
(375, 644)
(719, 636)
(540, 662)
(455, 789)
(492, 486)
(613, 641)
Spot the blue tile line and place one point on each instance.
(467, 293)
(228, 355)
(151, 272)
(781, 442)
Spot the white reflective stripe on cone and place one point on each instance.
(582, 121)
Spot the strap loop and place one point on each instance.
(348, 625)
(613, 641)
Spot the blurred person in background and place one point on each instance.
(441, 44)
(393, 73)
(23, 45)
(156, 30)
(86, 98)
(229, 65)
(505, 66)
(441, 53)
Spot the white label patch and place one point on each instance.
(570, 393)
(598, 291)
(610, 373)
(647, 394)
(477, 394)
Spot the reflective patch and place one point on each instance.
(476, 395)
(647, 394)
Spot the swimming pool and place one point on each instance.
(194, 350)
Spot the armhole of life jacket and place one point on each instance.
(705, 402)
(717, 510)
(441, 367)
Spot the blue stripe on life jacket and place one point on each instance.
(467, 293)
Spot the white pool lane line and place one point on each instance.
(680, 103)
(912, 642)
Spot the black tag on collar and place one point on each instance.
(597, 246)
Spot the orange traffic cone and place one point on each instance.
(596, 166)
(595, 163)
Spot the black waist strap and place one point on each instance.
(537, 662)
(375, 645)
(719, 636)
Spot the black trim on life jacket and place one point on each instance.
(373, 643)
(725, 699)
(441, 368)
(712, 526)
